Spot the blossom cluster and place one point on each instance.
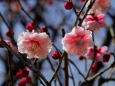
(37, 44)
(78, 41)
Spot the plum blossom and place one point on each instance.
(94, 22)
(35, 45)
(77, 41)
(100, 52)
(99, 6)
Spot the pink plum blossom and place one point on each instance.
(77, 41)
(99, 53)
(94, 22)
(99, 6)
(35, 45)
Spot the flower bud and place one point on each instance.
(106, 57)
(68, 5)
(10, 33)
(94, 68)
(56, 55)
(22, 73)
(81, 57)
(30, 26)
(43, 29)
(82, 0)
(22, 83)
(27, 79)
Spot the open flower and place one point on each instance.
(100, 52)
(94, 22)
(77, 42)
(35, 45)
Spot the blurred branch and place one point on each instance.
(24, 10)
(104, 80)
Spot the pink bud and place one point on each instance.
(43, 29)
(10, 33)
(56, 55)
(22, 73)
(22, 83)
(94, 68)
(68, 5)
(49, 2)
(106, 57)
(27, 79)
(81, 57)
(82, 0)
(30, 26)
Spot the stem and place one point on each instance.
(5, 21)
(54, 70)
(72, 75)
(59, 64)
(10, 67)
(60, 60)
(76, 68)
(66, 69)
(79, 13)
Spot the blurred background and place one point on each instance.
(53, 15)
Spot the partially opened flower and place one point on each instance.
(99, 6)
(99, 53)
(35, 45)
(94, 22)
(77, 42)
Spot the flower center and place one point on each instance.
(79, 42)
(34, 45)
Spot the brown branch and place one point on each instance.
(97, 74)
(66, 69)
(10, 67)
(32, 67)
(104, 80)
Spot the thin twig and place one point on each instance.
(93, 55)
(76, 68)
(97, 74)
(54, 70)
(72, 76)
(89, 7)
(24, 10)
(79, 13)
(59, 64)
(5, 21)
